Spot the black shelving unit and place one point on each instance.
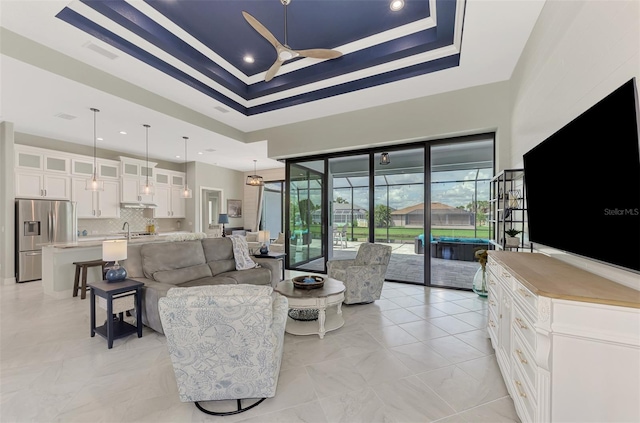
(508, 204)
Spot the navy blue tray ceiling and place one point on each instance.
(378, 45)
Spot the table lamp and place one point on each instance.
(264, 237)
(115, 250)
(222, 219)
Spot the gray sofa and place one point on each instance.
(165, 265)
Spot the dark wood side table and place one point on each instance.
(275, 256)
(116, 329)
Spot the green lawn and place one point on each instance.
(408, 234)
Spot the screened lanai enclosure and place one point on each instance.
(337, 202)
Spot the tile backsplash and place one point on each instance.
(137, 222)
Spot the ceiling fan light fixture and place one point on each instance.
(248, 59)
(255, 180)
(396, 5)
(94, 184)
(384, 159)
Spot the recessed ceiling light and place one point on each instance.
(396, 5)
(177, 157)
(123, 132)
(100, 139)
(200, 153)
(248, 59)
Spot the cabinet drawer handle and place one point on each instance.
(493, 325)
(492, 303)
(522, 359)
(505, 275)
(523, 292)
(518, 387)
(491, 282)
(521, 323)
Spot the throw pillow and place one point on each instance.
(252, 236)
(241, 253)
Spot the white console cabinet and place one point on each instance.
(567, 341)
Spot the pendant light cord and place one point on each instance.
(95, 160)
(286, 44)
(147, 149)
(186, 183)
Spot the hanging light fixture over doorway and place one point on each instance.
(186, 191)
(147, 187)
(94, 184)
(255, 180)
(384, 159)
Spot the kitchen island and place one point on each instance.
(58, 270)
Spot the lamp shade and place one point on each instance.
(114, 250)
(264, 236)
(223, 218)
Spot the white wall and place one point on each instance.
(472, 110)
(579, 52)
(231, 182)
(7, 208)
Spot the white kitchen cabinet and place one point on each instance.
(169, 202)
(178, 203)
(567, 341)
(98, 204)
(168, 198)
(42, 185)
(31, 158)
(132, 193)
(163, 201)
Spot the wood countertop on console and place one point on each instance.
(553, 278)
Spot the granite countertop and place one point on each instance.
(96, 240)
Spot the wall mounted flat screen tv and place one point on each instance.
(583, 183)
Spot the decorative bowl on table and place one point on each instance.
(308, 282)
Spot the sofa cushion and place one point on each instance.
(257, 276)
(164, 256)
(252, 237)
(210, 281)
(133, 263)
(186, 274)
(219, 255)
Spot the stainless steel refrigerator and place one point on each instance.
(41, 222)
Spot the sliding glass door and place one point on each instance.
(305, 214)
(459, 189)
(428, 201)
(398, 211)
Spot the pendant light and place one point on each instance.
(384, 159)
(146, 188)
(255, 180)
(186, 191)
(94, 184)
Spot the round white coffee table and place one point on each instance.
(322, 299)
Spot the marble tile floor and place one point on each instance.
(417, 355)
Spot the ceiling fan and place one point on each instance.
(283, 50)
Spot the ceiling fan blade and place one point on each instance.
(319, 53)
(261, 29)
(273, 70)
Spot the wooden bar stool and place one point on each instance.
(81, 271)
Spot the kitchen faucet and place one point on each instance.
(128, 229)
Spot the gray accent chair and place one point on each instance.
(225, 342)
(363, 276)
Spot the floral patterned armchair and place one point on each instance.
(225, 342)
(363, 276)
